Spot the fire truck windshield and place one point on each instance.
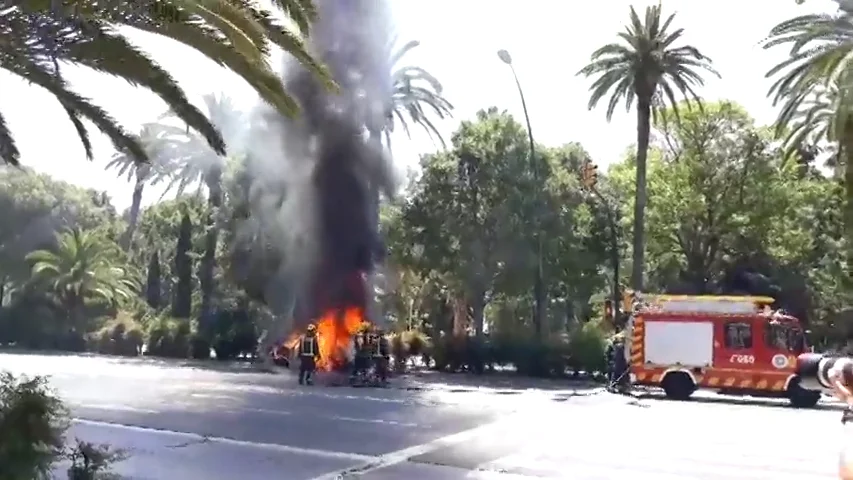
(786, 337)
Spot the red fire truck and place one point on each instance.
(731, 344)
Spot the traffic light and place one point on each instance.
(589, 174)
(608, 310)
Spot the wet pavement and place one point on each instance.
(180, 423)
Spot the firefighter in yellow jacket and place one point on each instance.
(309, 353)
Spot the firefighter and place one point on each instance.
(361, 349)
(309, 353)
(620, 365)
(381, 354)
(608, 355)
(616, 365)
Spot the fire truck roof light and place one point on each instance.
(708, 304)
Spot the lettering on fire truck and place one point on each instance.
(742, 359)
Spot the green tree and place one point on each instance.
(33, 208)
(729, 213)
(647, 68)
(196, 162)
(152, 284)
(182, 299)
(82, 268)
(40, 34)
(458, 216)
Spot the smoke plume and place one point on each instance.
(312, 178)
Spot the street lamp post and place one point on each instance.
(538, 286)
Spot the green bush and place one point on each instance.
(92, 462)
(406, 345)
(457, 353)
(587, 348)
(235, 334)
(582, 350)
(120, 336)
(169, 338)
(33, 421)
(416, 343)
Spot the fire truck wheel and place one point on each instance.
(800, 397)
(678, 386)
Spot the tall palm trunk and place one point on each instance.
(373, 312)
(644, 114)
(133, 216)
(211, 238)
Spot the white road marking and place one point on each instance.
(373, 420)
(228, 441)
(400, 456)
(118, 408)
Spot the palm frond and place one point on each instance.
(232, 33)
(813, 85)
(646, 65)
(413, 90)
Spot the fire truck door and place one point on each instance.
(734, 344)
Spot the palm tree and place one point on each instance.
(815, 87)
(39, 34)
(647, 68)
(153, 138)
(192, 161)
(82, 268)
(415, 95)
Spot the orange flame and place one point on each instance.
(335, 330)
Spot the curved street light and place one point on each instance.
(538, 284)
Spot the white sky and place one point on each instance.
(550, 40)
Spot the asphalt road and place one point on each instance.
(179, 423)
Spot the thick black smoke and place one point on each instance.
(328, 164)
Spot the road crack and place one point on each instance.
(201, 441)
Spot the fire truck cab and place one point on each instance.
(731, 344)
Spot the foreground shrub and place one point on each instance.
(92, 462)
(33, 421)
